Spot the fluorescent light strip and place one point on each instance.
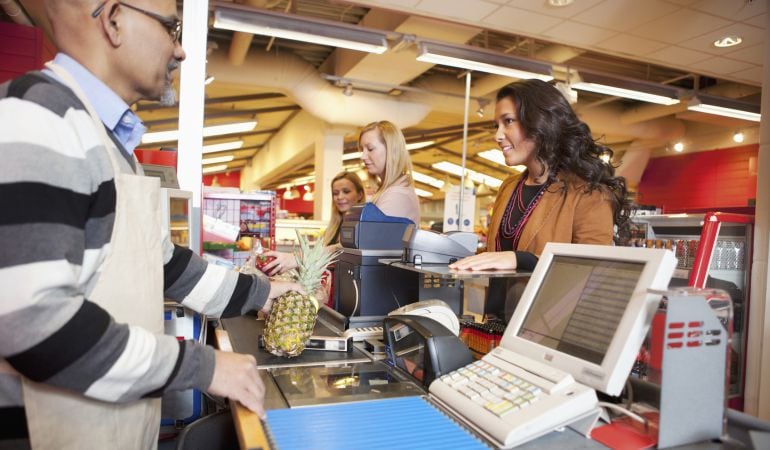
(496, 156)
(209, 131)
(419, 145)
(725, 107)
(427, 179)
(423, 193)
(466, 57)
(727, 112)
(454, 169)
(219, 168)
(625, 93)
(223, 146)
(218, 159)
(412, 146)
(349, 156)
(298, 28)
(616, 86)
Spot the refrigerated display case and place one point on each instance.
(713, 251)
(177, 205)
(179, 408)
(251, 215)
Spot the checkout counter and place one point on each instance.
(385, 265)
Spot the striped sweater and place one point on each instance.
(57, 209)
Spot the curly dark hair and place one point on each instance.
(564, 144)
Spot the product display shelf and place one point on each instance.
(251, 216)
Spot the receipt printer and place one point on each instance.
(430, 247)
(366, 227)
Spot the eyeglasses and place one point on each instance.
(173, 25)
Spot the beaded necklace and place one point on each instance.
(513, 231)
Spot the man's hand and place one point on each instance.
(236, 377)
(487, 261)
(277, 289)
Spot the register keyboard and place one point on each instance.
(513, 402)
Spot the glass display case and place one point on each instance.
(286, 232)
(714, 251)
(177, 205)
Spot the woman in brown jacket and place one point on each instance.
(567, 192)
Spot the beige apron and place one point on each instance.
(130, 288)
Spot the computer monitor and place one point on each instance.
(587, 308)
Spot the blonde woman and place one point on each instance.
(383, 151)
(347, 190)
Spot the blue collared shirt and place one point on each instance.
(114, 112)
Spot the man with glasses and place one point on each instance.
(83, 266)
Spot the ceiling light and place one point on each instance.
(232, 145)
(297, 28)
(483, 190)
(218, 159)
(624, 87)
(605, 157)
(482, 103)
(722, 106)
(308, 196)
(348, 91)
(728, 41)
(739, 137)
(454, 169)
(473, 58)
(419, 145)
(427, 179)
(287, 195)
(209, 79)
(218, 168)
(423, 193)
(560, 3)
(211, 130)
(679, 147)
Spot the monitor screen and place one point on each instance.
(580, 304)
(586, 309)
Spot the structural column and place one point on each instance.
(191, 102)
(328, 162)
(758, 362)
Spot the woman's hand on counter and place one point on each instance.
(236, 377)
(283, 262)
(487, 261)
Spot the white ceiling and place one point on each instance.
(672, 33)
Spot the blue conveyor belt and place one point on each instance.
(406, 422)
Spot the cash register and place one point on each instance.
(365, 289)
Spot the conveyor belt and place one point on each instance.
(408, 422)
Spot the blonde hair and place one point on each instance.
(397, 161)
(336, 221)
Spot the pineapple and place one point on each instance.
(293, 315)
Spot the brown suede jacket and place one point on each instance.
(565, 213)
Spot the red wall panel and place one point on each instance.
(712, 180)
(22, 49)
(227, 179)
